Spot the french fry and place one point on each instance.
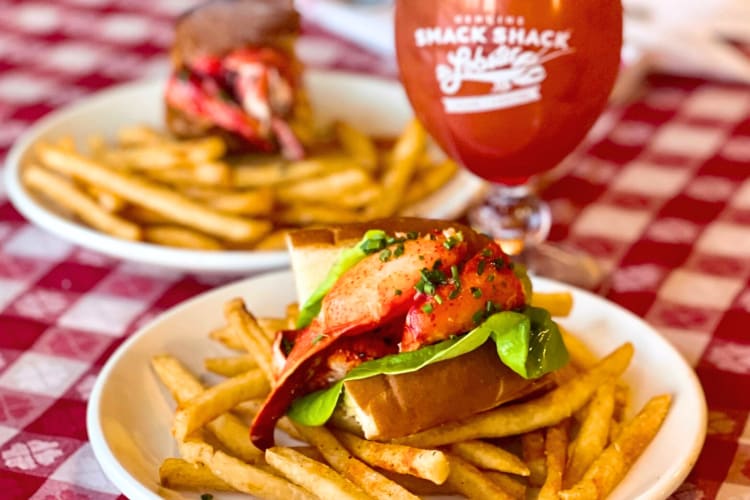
(400, 169)
(580, 355)
(518, 418)
(592, 435)
(230, 366)
(419, 486)
(532, 445)
(250, 334)
(225, 336)
(96, 145)
(274, 241)
(470, 482)
(301, 214)
(310, 452)
(64, 193)
(248, 410)
(181, 237)
(611, 466)
(312, 475)
(217, 400)
(488, 456)
(292, 313)
(108, 201)
(430, 181)
(269, 326)
(338, 457)
(238, 474)
(427, 464)
(557, 303)
(159, 199)
(246, 176)
(556, 449)
(138, 135)
(213, 174)
(179, 474)
(204, 149)
(325, 188)
(358, 145)
(228, 429)
(181, 384)
(256, 202)
(513, 487)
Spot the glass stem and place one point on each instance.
(514, 216)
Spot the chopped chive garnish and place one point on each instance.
(438, 299)
(427, 308)
(318, 338)
(399, 250)
(412, 235)
(476, 292)
(486, 252)
(491, 278)
(454, 293)
(477, 317)
(385, 255)
(397, 291)
(481, 266)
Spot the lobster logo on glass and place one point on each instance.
(501, 52)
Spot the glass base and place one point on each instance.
(562, 263)
(520, 222)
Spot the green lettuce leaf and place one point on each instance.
(529, 343)
(371, 241)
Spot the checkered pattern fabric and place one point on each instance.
(660, 194)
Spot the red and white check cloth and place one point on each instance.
(661, 196)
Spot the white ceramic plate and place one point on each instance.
(129, 414)
(377, 106)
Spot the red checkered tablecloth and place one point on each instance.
(660, 195)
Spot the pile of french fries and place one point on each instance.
(573, 442)
(148, 186)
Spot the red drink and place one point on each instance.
(508, 87)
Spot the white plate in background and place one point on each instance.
(376, 106)
(129, 414)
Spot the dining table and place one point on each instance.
(658, 194)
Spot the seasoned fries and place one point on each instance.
(312, 475)
(556, 450)
(148, 194)
(65, 194)
(593, 435)
(561, 441)
(238, 474)
(374, 483)
(180, 474)
(488, 456)
(190, 194)
(610, 467)
(426, 464)
(217, 400)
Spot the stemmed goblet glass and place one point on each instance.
(508, 88)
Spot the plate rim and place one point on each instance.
(181, 259)
(122, 479)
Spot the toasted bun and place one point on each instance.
(385, 407)
(219, 26)
(391, 406)
(314, 250)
